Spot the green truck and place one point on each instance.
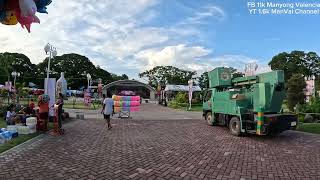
(250, 104)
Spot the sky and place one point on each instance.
(129, 37)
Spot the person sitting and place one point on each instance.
(25, 113)
(11, 117)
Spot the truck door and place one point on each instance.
(207, 103)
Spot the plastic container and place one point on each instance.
(32, 126)
(31, 131)
(12, 129)
(6, 135)
(14, 135)
(23, 130)
(31, 121)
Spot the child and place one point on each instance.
(11, 117)
(107, 109)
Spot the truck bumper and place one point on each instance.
(278, 123)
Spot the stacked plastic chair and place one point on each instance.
(126, 104)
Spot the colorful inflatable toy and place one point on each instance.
(22, 11)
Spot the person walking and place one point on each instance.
(107, 109)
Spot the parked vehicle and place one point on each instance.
(247, 104)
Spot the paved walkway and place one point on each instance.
(157, 149)
(148, 111)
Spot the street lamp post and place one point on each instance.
(52, 53)
(15, 75)
(190, 83)
(89, 79)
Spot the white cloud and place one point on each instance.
(204, 14)
(113, 35)
(194, 58)
(180, 55)
(84, 27)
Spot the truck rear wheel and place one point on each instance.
(209, 119)
(234, 126)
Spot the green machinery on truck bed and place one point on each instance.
(247, 104)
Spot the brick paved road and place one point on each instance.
(176, 149)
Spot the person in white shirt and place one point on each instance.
(11, 115)
(107, 109)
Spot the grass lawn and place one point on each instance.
(16, 141)
(80, 106)
(309, 127)
(21, 138)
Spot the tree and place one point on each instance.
(167, 75)
(19, 63)
(5, 67)
(295, 93)
(299, 62)
(103, 74)
(124, 76)
(75, 67)
(204, 80)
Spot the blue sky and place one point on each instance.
(126, 37)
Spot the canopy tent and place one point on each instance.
(181, 88)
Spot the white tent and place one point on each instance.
(181, 88)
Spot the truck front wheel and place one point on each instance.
(209, 119)
(234, 126)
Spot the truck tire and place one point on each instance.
(209, 119)
(234, 126)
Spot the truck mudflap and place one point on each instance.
(277, 123)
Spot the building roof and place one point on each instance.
(129, 83)
(181, 88)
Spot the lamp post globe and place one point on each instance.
(47, 48)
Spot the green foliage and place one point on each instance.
(167, 75)
(309, 127)
(16, 62)
(204, 80)
(295, 93)
(296, 62)
(181, 97)
(75, 67)
(311, 107)
(124, 76)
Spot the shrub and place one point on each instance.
(295, 93)
(312, 107)
(181, 97)
(308, 119)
